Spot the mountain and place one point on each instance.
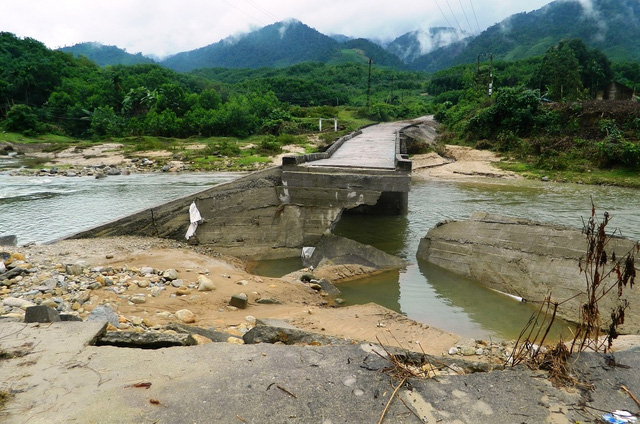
(106, 55)
(366, 49)
(277, 45)
(613, 26)
(412, 45)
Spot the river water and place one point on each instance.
(43, 209)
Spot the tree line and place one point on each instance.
(45, 91)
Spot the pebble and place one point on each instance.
(138, 299)
(235, 340)
(143, 283)
(177, 283)
(186, 316)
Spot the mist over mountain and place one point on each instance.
(106, 55)
(613, 26)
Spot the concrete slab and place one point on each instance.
(61, 380)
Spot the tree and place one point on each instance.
(21, 118)
(560, 73)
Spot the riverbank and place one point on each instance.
(128, 274)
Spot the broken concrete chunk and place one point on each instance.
(41, 313)
(239, 301)
(144, 340)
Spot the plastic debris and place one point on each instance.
(194, 219)
(619, 417)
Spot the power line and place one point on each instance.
(475, 16)
(263, 10)
(465, 15)
(242, 11)
(454, 16)
(443, 15)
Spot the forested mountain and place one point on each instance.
(277, 45)
(612, 26)
(106, 55)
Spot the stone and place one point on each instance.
(138, 298)
(468, 350)
(239, 301)
(289, 336)
(41, 313)
(144, 340)
(104, 313)
(205, 284)
(185, 316)
(145, 270)
(201, 339)
(74, 269)
(82, 297)
(170, 274)
(235, 340)
(453, 351)
(268, 301)
(142, 283)
(14, 302)
(9, 240)
(242, 282)
(70, 317)
(183, 291)
(210, 333)
(177, 283)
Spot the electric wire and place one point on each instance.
(454, 16)
(443, 15)
(475, 16)
(245, 13)
(465, 15)
(263, 10)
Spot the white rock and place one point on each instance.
(205, 284)
(170, 274)
(138, 299)
(14, 302)
(453, 351)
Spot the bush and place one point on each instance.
(22, 119)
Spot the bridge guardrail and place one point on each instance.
(310, 157)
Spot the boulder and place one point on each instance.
(524, 258)
(239, 300)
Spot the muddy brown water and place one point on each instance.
(42, 209)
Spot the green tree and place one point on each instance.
(21, 118)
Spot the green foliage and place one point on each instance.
(21, 118)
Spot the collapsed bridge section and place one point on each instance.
(274, 212)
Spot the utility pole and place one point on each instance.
(369, 86)
(490, 82)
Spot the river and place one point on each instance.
(42, 209)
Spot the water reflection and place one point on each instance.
(382, 289)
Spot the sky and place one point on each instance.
(163, 27)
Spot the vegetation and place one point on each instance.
(544, 116)
(50, 92)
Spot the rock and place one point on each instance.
(268, 301)
(328, 288)
(82, 297)
(177, 283)
(70, 317)
(14, 302)
(468, 350)
(239, 301)
(146, 340)
(183, 291)
(74, 269)
(289, 336)
(235, 340)
(142, 283)
(170, 274)
(205, 284)
(138, 299)
(41, 313)
(453, 351)
(186, 316)
(201, 339)
(146, 270)
(242, 282)
(104, 313)
(9, 240)
(211, 334)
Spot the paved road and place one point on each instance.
(374, 148)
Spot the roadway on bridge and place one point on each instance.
(374, 148)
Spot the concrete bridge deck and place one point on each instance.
(374, 148)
